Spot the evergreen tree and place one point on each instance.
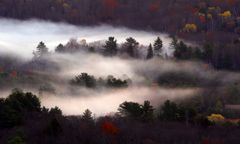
(150, 52)
(131, 110)
(131, 46)
(158, 44)
(84, 79)
(147, 111)
(111, 46)
(174, 43)
(55, 111)
(208, 52)
(197, 54)
(87, 115)
(169, 111)
(41, 50)
(60, 48)
(182, 51)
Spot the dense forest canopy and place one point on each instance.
(215, 23)
(184, 15)
(176, 90)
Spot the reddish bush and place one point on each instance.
(109, 128)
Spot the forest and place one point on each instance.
(182, 87)
(214, 24)
(206, 114)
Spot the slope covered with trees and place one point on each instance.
(24, 120)
(214, 24)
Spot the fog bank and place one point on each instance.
(22, 37)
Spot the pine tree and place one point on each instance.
(60, 48)
(148, 110)
(158, 44)
(131, 46)
(41, 50)
(174, 43)
(111, 46)
(87, 115)
(150, 52)
(182, 51)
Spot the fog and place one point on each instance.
(74, 100)
(21, 37)
(107, 102)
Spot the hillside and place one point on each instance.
(215, 24)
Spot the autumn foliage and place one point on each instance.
(109, 128)
(110, 5)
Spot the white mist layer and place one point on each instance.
(22, 37)
(107, 102)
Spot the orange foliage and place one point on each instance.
(109, 128)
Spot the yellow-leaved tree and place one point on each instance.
(190, 28)
(216, 118)
(226, 14)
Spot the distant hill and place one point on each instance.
(215, 22)
(163, 15)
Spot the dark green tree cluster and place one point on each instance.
(116, 83)
(156, 49)
(85, 80)
(55, 111)
(131, 46)
(13, 108)
(60, 48)
(110, 47)
(149, 52)
(170, 111)
(137, 111)
(184, 52)
(90, 81)
(178, 79)
(17, 105)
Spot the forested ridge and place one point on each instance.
(161, 15)
(23, 120)
(214, 24)
(186, 93)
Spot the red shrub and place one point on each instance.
(109, 128)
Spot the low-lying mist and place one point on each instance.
(74, 100)
(21, 37)
(54, 71)
(144, 86)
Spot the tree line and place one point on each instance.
(205, 15)
(220, 56)
(89, 81)
(23, 120)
